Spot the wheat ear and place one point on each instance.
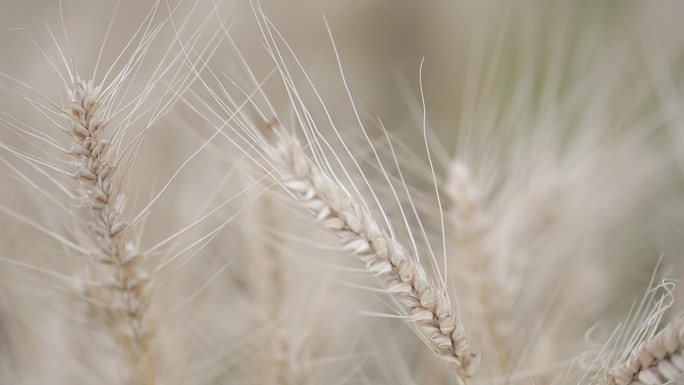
(275, 363)
(122, 292)
(427, 306)
(468, 222)
(655, 362)
(473, 258)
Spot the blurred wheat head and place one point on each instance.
(202, 199)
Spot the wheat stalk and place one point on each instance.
(404, 278)
(122, 291)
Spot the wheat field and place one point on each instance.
(207, 192)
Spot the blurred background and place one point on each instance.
(568, 115)
(381, 43)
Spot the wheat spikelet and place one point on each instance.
(122, 291)
(428, 307)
